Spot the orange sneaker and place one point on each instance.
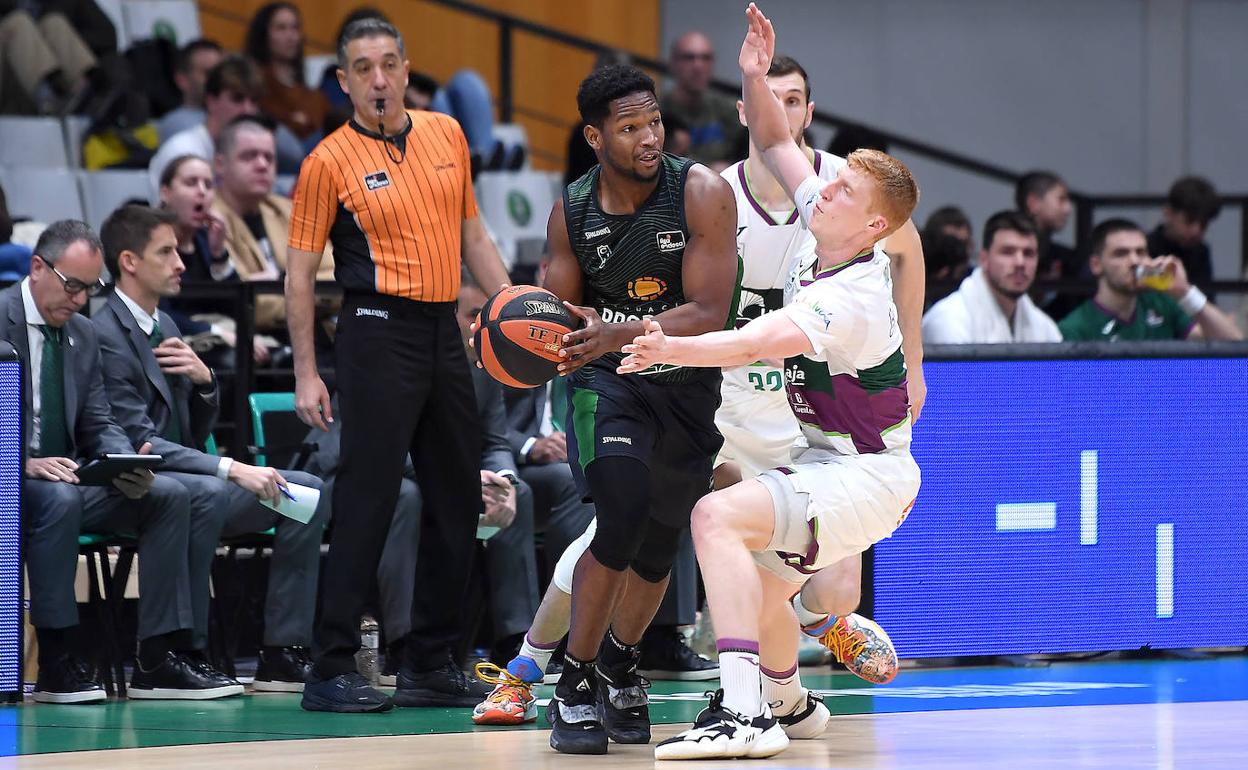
(860, 645)
(511, 703)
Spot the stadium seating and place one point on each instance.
(516, 205)
(30, 141)
(143, 19)
(41, 194)
(104, 191)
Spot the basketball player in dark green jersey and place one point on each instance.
(641, 234)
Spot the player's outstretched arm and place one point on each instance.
(772, 336)
(764, 114)
(905, 249)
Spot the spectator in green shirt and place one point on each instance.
(1124, 308)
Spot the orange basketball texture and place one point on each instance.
(520, 330)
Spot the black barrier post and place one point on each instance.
(506, 98)
(1083, 222)
(244, 367)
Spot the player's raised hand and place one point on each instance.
(759, 45)
(646, 350)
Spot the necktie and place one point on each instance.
(173, 427)
(53, 436)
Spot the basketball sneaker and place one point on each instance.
(576, 727)
(510, 703)
(623, 703)
(858, 644)
(808, 720)
(721, 733)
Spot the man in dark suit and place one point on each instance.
(162, 393)
(66, 418)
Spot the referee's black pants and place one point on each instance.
(404, 386)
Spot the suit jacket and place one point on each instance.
(249, 259)
(139, 392)
(88, 419)
(525, 408)
(495, 451)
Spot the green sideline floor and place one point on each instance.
(33, 728)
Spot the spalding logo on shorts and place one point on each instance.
(537, 307)
(646, 288)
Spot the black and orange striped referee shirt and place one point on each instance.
(395, 227)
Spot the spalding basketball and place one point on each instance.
(519, 333)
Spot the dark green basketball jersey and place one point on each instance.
(632, 263)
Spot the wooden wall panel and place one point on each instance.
(441, 41)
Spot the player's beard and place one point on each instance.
(629, 171)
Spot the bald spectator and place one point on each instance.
(991, 305)
(714, 127)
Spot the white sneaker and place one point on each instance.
(721, 733)
(808, 720)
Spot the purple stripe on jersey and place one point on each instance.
(848, 409)
(858, 260)
(749, 196)
(804, 562)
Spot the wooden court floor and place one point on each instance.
(1164, 714)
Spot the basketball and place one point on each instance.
(519, 332)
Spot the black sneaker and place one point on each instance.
(666, 656)
(179, 677)
(554, 670)
(623, 703)
(721, 733)
(576, 727)
(348, 693)
(282, 669)
(68, 680)
(445, 687)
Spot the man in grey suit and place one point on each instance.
(67, 419)
(162, 393)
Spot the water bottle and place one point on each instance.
(366, 661)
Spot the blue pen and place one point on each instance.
(287, 493)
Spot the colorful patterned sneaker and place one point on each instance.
(512, 701)
(858, 644)
(721, 733)
(808, 721)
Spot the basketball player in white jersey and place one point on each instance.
(759, 429)
(853, 481)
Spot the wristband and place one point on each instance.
(1193, 302)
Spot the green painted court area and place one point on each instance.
(39, 728)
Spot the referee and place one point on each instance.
(392, 190)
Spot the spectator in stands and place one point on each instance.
(420, 91)
(712, 118)
(48, 51)
(255, 218)
(195, 60)
(1044, 196)
(68, 419)
(1127, 308)
(275, 43)
(163, 394)
(232, 89)
(14, 257)
(187, 190)
(991, 305)
(1191, 205)
(946, 240)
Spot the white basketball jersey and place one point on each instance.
(759, 428)
(771, 244)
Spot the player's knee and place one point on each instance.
(658, 551)
(613, 550)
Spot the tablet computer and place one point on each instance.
(102, 470)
